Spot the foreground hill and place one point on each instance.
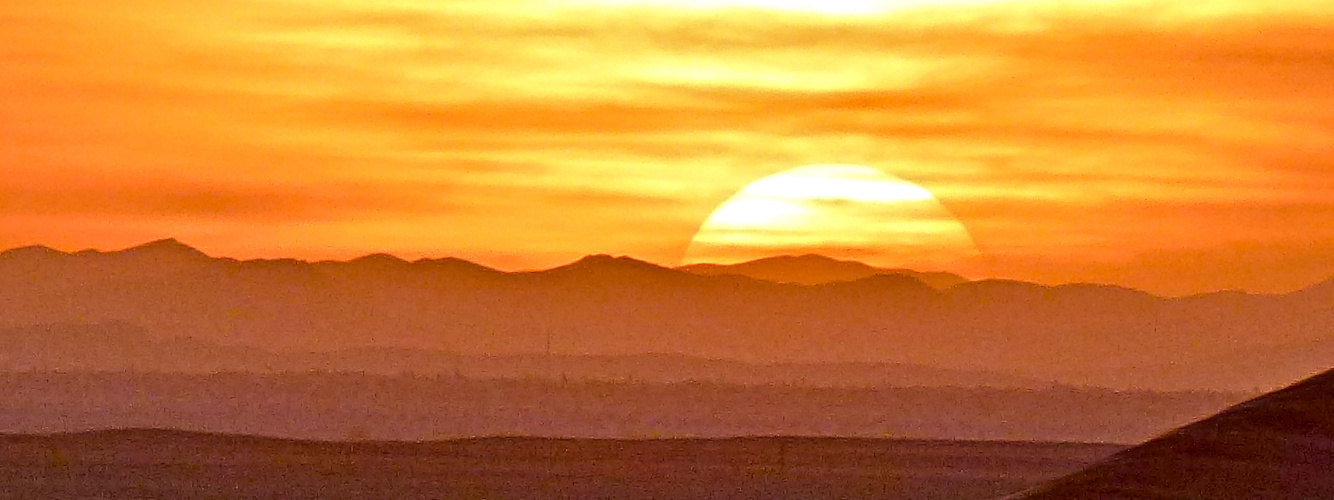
(182, 465)
(1277, 446)
(606, 305)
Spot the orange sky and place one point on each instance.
(1172, 146)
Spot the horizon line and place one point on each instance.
(684, 268)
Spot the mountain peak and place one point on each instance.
(456, 263)
(169, 247)
(604, 260)
(34, 252)
(600, 263)
(379, 259)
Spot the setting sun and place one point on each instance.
(846, 211)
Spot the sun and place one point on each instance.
(842, 211)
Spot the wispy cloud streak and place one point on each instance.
(531, 133)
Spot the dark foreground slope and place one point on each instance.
(181, 465)
(1280, 445)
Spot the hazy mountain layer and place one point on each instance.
(124, 348)
(352, 405)
(617, 306)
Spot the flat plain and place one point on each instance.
(142, 464)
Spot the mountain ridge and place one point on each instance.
(939, 280)
(814, 269)
(605, 305)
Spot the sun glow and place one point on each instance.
(842, 211)
(828, 7)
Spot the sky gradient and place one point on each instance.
(1177, 147)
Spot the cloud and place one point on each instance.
(1116, 128)
(263, 203)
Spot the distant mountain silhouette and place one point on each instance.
(166, 249)
(816, 270)
(618, 306)
(456, 265)
(382, 260)
(1280, 445)
(35, 252)
(601, 267)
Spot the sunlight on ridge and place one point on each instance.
(843, 211)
